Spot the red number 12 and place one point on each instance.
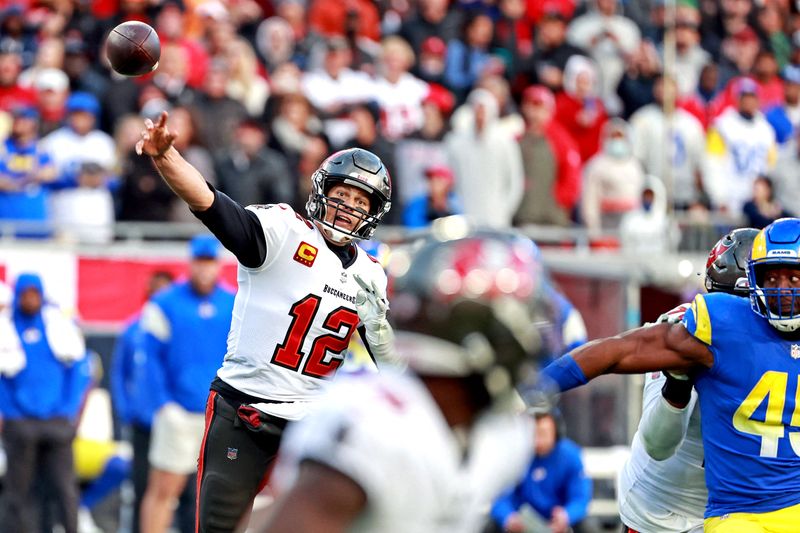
(288, 355)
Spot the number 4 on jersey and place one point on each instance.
(771, 386)
(288, 355)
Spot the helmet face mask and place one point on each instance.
(776, 247)
(357, 168)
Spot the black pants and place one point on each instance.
(235, 460)
(38, 446)
(185, 514)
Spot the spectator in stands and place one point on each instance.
(83, 75)
(398, 92)
(274, 43)
(12, 93)
(670, 146)
(508, 118)
(608, 36)
(251, 172)
(245, 83)
(430, 66)
(172, 75)
(170, 24)
(741, 146)
(469, 55)
(80, 141)
(431, 18)
(648, 230)
(85, 213)
(134, 406)
(767, 74)
(612, 180)
(331, 18)
(217, 113)
(551, 163)
(49, 54)
(25, 170)
(186, 329)
(52, 92)
(785, 117)
(293, 128)
(294, 12)
(690, 57)
(513, 39)
(771, 21)
(39, 406)
(487, 165)
(334, 86)
(739, 51)
(424, 147)
(439, 201)
(578, 107)
(552, 51)
(554, 489)
(635, 89)
(17, 34)
(763, 208)
(785, 173)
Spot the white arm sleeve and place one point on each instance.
(662, 427)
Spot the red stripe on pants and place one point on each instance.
(209, 415)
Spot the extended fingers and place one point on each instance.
(162, 119)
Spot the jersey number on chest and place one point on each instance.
(773, 385)
(288, 355)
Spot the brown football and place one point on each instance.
(133, 48)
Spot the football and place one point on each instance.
(133, 48)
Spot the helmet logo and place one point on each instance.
(717, 251)
(782, 253)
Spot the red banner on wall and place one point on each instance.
(112, 290)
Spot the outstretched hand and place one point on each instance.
(156, 138)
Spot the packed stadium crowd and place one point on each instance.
(512, 112)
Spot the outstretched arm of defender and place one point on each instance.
(180, 175)
(645, 349)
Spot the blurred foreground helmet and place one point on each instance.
(777, 245)
(463, 308)
(359, 168)
(726, 266)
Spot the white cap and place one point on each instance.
(52, 79)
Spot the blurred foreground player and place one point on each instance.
(304, 289)
(427, 452)
(662, 487)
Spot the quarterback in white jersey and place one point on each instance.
(425, 453)
(662, 487)
(304, 289)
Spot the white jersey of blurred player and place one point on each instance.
(669, 495)
(317, 317)
(386, 433)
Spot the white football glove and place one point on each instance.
(372, 305)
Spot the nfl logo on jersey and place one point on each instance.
(233, 453)
(795, 352)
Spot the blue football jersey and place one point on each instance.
(750, 413)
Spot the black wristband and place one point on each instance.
(677, 392)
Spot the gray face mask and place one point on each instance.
(617, 148)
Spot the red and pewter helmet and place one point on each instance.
(359, 168)
(726, 266)
(465, 308)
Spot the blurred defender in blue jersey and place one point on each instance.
(745, 360)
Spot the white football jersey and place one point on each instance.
(386, 433)
(294, 315)
(664, 496)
